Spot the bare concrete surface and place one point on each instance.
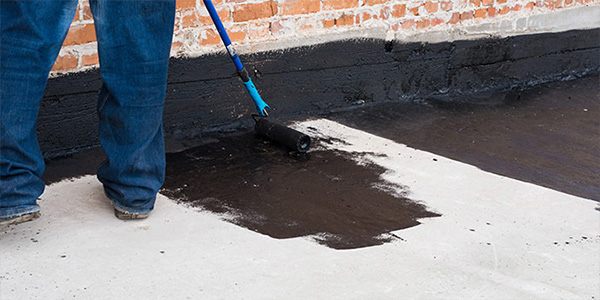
(481, 234)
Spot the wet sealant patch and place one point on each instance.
(325, 194)
(547, 135)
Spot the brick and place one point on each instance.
(254, 11)
(480, 13)
(408, 24)
(559, 4)
(491, 12)
(339, 4)
(455, 18)
(307, 27)
(65, 62)
(277, 26)
(423, 23)
(90, 60)
(475, 2)
(501, 1)
(549, 4)
(436, 22)
(362, 17)
(431, 7)
(487, 2)
(530, 5)
(257, 31)
(345, 20)
(177, 46)
(179, 4)
(191, 20)
(328, 23)
(80, 34)
(224, 14)
(517, 7)
(399, 10)
(414, 10)
(209, 37)
(238, 32)
(298, 7)
(373, 2)
(467, 15)
(385, 13)
(446, 5)
(504, 10)
(462, 3)
(87, 12)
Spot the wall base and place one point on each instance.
(204, 94)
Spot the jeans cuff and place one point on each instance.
(12, 212)
(126, 209)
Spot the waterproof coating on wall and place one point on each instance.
(290, 138)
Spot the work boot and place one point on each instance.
(18, 219)
(125, 215)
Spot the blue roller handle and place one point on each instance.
(261, 106)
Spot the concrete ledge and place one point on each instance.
(577, 18)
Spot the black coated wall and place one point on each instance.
(205, 95)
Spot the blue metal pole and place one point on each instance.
(260, 105)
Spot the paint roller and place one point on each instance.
(280, 134)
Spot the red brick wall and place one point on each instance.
(252, 22)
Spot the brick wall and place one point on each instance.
(256, 22)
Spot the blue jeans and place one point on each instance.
(134, 40)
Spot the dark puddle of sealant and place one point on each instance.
(323, 194)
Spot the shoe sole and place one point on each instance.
(129, 216)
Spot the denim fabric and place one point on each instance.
(134, 40)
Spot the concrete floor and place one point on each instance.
(497, 237)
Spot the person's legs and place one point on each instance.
(134, 41)
(32, 33)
